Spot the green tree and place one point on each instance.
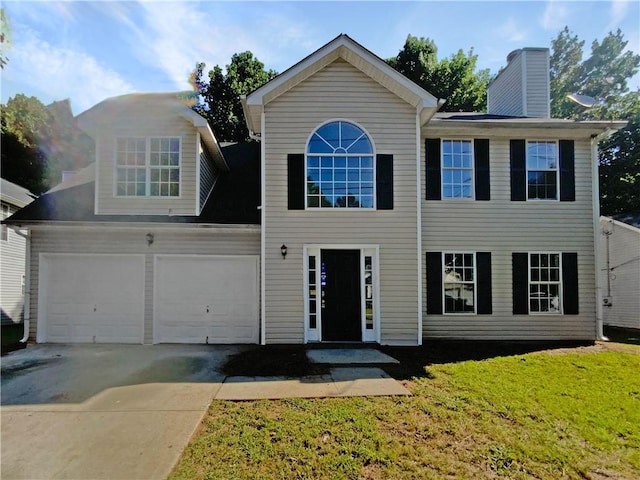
(619, 160)
(454, 79)
(221, 94)
(38, 142)
(5, 38)
(603, 75)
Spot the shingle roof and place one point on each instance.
(234, 200)
(628, 218)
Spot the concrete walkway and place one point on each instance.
(349, 380)
(341, 382)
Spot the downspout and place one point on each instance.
(596, 234)
(27, 284)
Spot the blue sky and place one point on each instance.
(88, 51)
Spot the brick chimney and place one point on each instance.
(522, 88)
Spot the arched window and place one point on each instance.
(340, 167)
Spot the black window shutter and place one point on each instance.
(481, 151)
(520, 279)
(518, 170)
(567, 171)
(483, 277)
(384, 182)
(432, 164)
(434, 283)
(295, 181)
(570, 283)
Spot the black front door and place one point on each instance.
(340, 282)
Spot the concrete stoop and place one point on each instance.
(351, 378)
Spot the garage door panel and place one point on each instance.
(202, 299)
(91, 298)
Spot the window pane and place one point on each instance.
(345, 181)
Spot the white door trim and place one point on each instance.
(372, 250)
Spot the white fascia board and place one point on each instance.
(208, 138)
(620, 224)
(335, 48)
(93, 226)
(571, 129)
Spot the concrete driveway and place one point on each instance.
(103, 411)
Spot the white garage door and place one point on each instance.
(206, 299)
(91, 298)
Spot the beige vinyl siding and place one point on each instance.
(111, 240)
(340, 91)
(208, 176)
(12, 253)
(537, 83)
(624, 259)
(505, 94)
(147, 122)
(502, 227)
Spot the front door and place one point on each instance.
(340, 290)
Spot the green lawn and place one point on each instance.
(571, 413)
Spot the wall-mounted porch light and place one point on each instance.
(149, 237)
(283, 250)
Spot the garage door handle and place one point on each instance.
(95, 308)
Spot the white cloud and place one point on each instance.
(512, 32)
(57, 73)
(555, 16)
(172, 37)
(619, 9)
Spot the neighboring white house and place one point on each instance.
(362, 214)
(620, 270)
(12, 254)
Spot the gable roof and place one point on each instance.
(234, 200)
(103, 114)
(341, 47)
(14, 194)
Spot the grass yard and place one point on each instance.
(563, 413)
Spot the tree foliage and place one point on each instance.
(39, 142)
(603, 75)
(454, 79)
(5, 38)
(221, 94)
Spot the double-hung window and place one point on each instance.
(148, 167)
(457, 169)
(542, 170)
(340, 167)
(545, 281)
(459, 277)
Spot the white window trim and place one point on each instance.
(375, 173)
(557, 169)
(148, 167)
(473, 170)
(4, 214)
(475, 283)
(559, 282)
(315, 335)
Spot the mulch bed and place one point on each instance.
(292, 361)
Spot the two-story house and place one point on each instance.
(361, 215)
